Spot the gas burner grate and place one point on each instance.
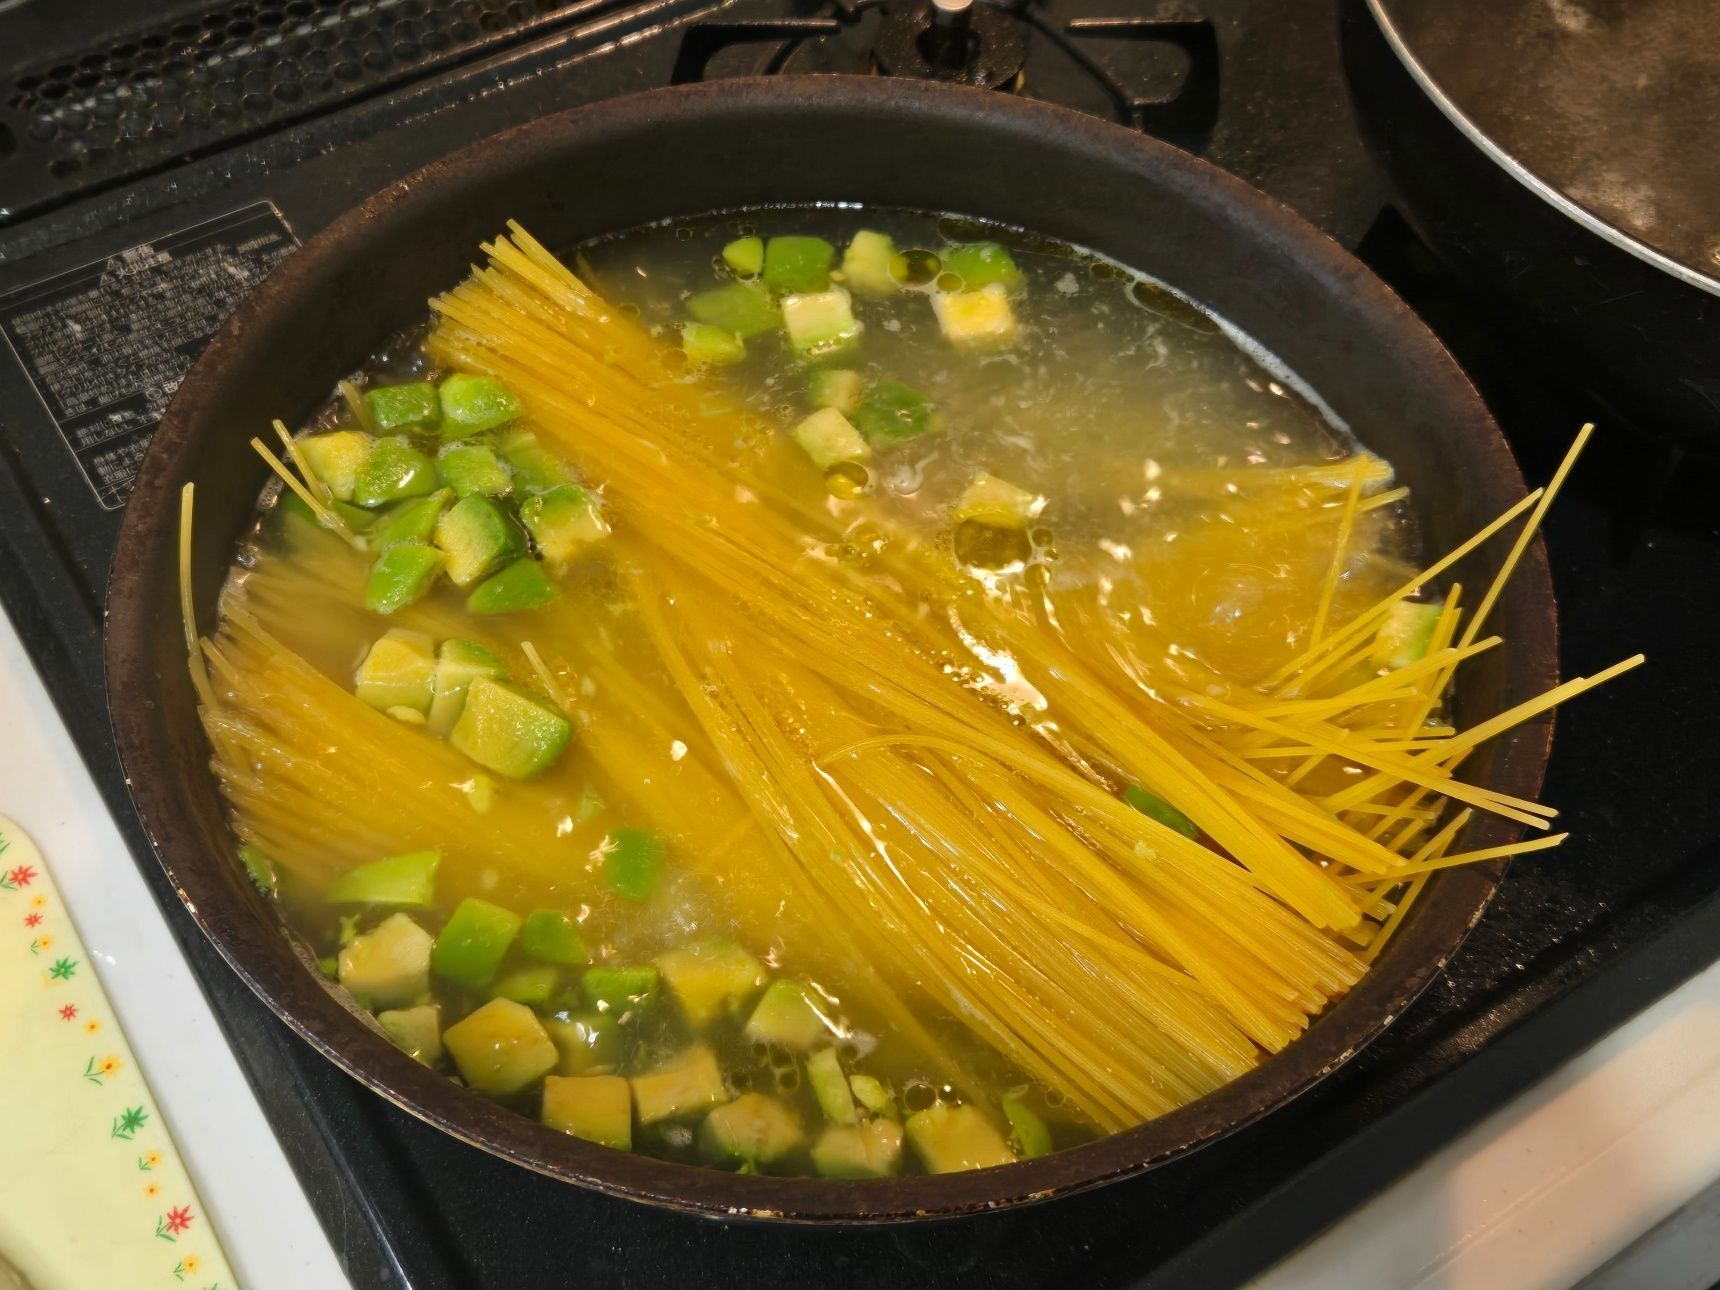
(175, 89)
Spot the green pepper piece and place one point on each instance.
(522, 585)
(708, 346)
(413, 520)
(979, 264)
(407, 880)
(741, 309)
(613, 990)
(470, 468)
(890, 412)
(532, 986)
(401, 574)
(1032, 1138)
(633, 862)
(551, 937)
(259, 867)
(473, 404)
(410, 406)
(472, 943)
(745, 255)
(798, 264)
(535, 467)
(393, 471)
(1156, 808)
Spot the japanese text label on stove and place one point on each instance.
(106, 344)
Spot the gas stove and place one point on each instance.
(156, 160)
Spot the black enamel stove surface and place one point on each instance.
(156, 158)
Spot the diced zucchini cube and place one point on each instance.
(979, 264)
(417, 1032)
(474, 404)
(997, 502)
(754, 1129)
(829, 437)
(982, 319)
(745, 255)
(458, 664)
(1026, 1130)
(473, 942)
(820, 324)
(535, 467)
(872, 1095)
(500, 1048)
(519, 587)
(407, 880)
(708, 346)
(506, 728)
(866, 264)
(564, 523)
(550, 936)
(952, 1138)
(1406, 633)
(791, 1017)
(870, 1150)
(478, 537)
(388, 966)
(830, 1087)
(742, 309)
(633, 862)
(410, 406)
(393, 471)
(473, 469)
(401, 574)
(396, 671)
(533, 986)
(413, 520)
(598, 1108)
(336, 459)
(589, 1042)
(687, 1084)
(710, 979)
(617, 991)
(835, 387)
(890, 412)
(259, 868)
(798, 264)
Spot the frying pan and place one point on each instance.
(735, 144)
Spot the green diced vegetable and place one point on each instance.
(872, 1095)
(615, 991)
(535, 466)
(259, 867)
(1026, 1130)
(689, 1083)
(473, 469)
(355, 518)
(589, 1042)
(396, 671)
(866, 264)
(870, 1150)
(417, 1032)
(336, 459)
(473, 404)
(550, 936)
(598, 1108)
(500, 1048)
(413, 405)
(830, 1087)
(835, 387)
(708, 346)
(798, 264)
(951, 1138)
(990, 500)
(890, 412)
(407, 880)
(754, 1129)
(633, 862)
(710, 979)
(829, 437)
(982, 319)
(1406, 633)
(478, 537)
(532, 986)
(394, 470)
(821, 324)
(1156, 808)
(979, 264)
(505, 728)
(413, 520)
(519, 587)
(402, 574)
(740, 308)
(564, 522)
(745, 255)
(388, 966)
(473, 942)
(790, 1017)
(458, 664)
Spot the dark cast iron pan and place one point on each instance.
(690, 150)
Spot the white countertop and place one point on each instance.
(1540, 1194)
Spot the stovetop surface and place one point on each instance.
(153, 247)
